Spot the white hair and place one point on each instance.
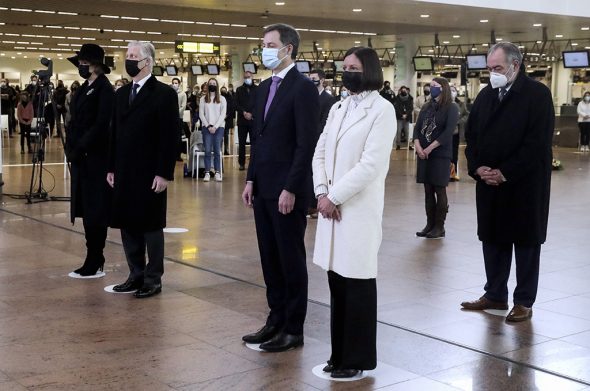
(146, 49)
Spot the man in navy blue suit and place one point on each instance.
(286, 117)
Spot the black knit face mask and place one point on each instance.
(353, 81)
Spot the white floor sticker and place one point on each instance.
(254, 346)
(501, 313)
(110, 290)
(175, 230)
(318, 371)
(97, 275)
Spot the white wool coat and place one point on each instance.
(351, 162)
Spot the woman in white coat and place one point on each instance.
(350, 164)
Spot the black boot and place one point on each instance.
(430, 206)
(92, 264)
(95, 241)
(438, 232)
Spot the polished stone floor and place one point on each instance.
(58, 333)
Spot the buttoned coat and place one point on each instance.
(144, 139)
(514, 136)
(87, 148)
(351, 160)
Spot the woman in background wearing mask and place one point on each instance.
(463, 114)
(343, 93)
(433, 140)
(350, 164)
(404, 106)
(87, 149)
(212, 111)
(584, 121)
(118, 84)
(421, 100)
(181, 107)
(24, 115)
(73, 88)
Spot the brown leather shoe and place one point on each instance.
(484, 304)
(519, 313)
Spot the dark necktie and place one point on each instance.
(271, 93)
(502, 94)
(133, 92)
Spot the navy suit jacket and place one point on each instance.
(283, 144)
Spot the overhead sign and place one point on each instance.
(197, 47)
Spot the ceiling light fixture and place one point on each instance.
(68, 13)
(585, 28)
(425, 16)
(537, 25)
(150, 19)
(456, 36)
(357, 10)
(44, 12)
(130, 17)
(483, 21)
(280, 3)
(21, 10)
(109, 16)
(558, 35)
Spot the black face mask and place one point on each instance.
(352, 81)
(131, 67)
(212, 88)
(387, 87)
(404, 93)
(84, 71)
(426, 92)
(316, 82)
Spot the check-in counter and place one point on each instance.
(566, 133)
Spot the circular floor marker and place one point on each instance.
(175, 230)
(501, 313)
(97, 275)
(110, 290)
(254, 346)
(318, 371)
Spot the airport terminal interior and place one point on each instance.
(62, 333)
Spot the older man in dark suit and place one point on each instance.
(286, 115)
(142, 159)
(509, 135)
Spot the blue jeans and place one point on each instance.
(212, 143)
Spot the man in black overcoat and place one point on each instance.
(244, 95)
(509, 135)
(286, 115)
(87, 150)
(142, 157)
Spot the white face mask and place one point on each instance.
(499, 80)
(270, 57)
(34, 82)
(454, 94)
(248, 82)
(587, 99)
(175, 86)
(2, 84)
(344, 94)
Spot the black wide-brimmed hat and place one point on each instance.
(92, 53)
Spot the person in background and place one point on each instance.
(463, 113)
(59, 95)
(387, 92)
(192, 104)
(87, 149)
(229, 118)
(34, 90)
(404, 105)
(286, 115)
(49, 115)
(343, 93)
(212, 111)
(433, 140)
(244, 95)
(118, 84)
(25, 115)
(421, 100)
(9, 97)
(176, 86)
(73, 88)
(584, 121)
(350, 165)
(509, 134)
(318, 77)
(142, 148)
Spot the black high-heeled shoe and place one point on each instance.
(90, 268)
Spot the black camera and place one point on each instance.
(45, 74)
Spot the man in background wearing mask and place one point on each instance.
(8, 95)
(421, 100)
(34, 91)
(387, 93)
(286, 117)
(192, 104)
(59, 95)
(141, 163)
(176, 86)
(508, 134)
(404, 105)
(244, 100)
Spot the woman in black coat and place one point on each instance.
(87, 149)
(433, 136)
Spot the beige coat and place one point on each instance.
(350, 163)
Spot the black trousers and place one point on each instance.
(498, 259)
(25, 133)
(353, 322)
(584, 133)
(243, 132)
(282, 254)
(135, 244)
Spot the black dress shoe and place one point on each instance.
(328, 368)
(262, 335)
(148, 291)
(344, 373)
(128, 286)
(282, 342)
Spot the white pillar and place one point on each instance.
(561, 84)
